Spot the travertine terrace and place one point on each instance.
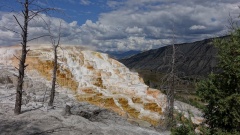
(94, 77)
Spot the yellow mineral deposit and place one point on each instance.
(95, 78)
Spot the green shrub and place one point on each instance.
(222, 91)
(186, 126)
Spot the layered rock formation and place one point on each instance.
(93, 77)
(38, 118)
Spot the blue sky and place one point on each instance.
(73, 10)
(122, 25)
(80, 10)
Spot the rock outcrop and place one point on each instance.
(38, 118)
(94, 78)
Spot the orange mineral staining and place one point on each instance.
(98, 80)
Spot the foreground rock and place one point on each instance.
(38, 118)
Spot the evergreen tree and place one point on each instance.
(222, 91)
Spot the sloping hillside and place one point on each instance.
(192, 59)
(95, 78)
(121, 55)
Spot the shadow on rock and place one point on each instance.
(13, 127)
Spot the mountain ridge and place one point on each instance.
(121, 54)
(192, 59)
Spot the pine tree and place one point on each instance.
(222, 91)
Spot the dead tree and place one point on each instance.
(55, 45)
(67, 110)
(22, 66)
(170, 79)
(28, 14)
(170, 93)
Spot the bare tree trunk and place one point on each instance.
(22, 66)
(171, 81)
(67, 111)
(28, 15)
(172, 87)
(54, 76)
(55, 63)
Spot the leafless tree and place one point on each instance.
(170, 93)
(28, 14)
(170, 78)
(232, 23)
(22, 66)
(55, 44)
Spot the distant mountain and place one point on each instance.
(121, 55)
(192, 59)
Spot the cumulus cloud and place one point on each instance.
(37, 27)
(134, 30)
(73, 24)
(197, 27)
(136, 24)
(151, 22)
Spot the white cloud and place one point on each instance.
(6, 34)
(113, 4)
(135, 24)
(37, 27)
(197, 27)
(73, 24)
(85, 2)
(134, 30)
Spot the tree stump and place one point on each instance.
(67, 111)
